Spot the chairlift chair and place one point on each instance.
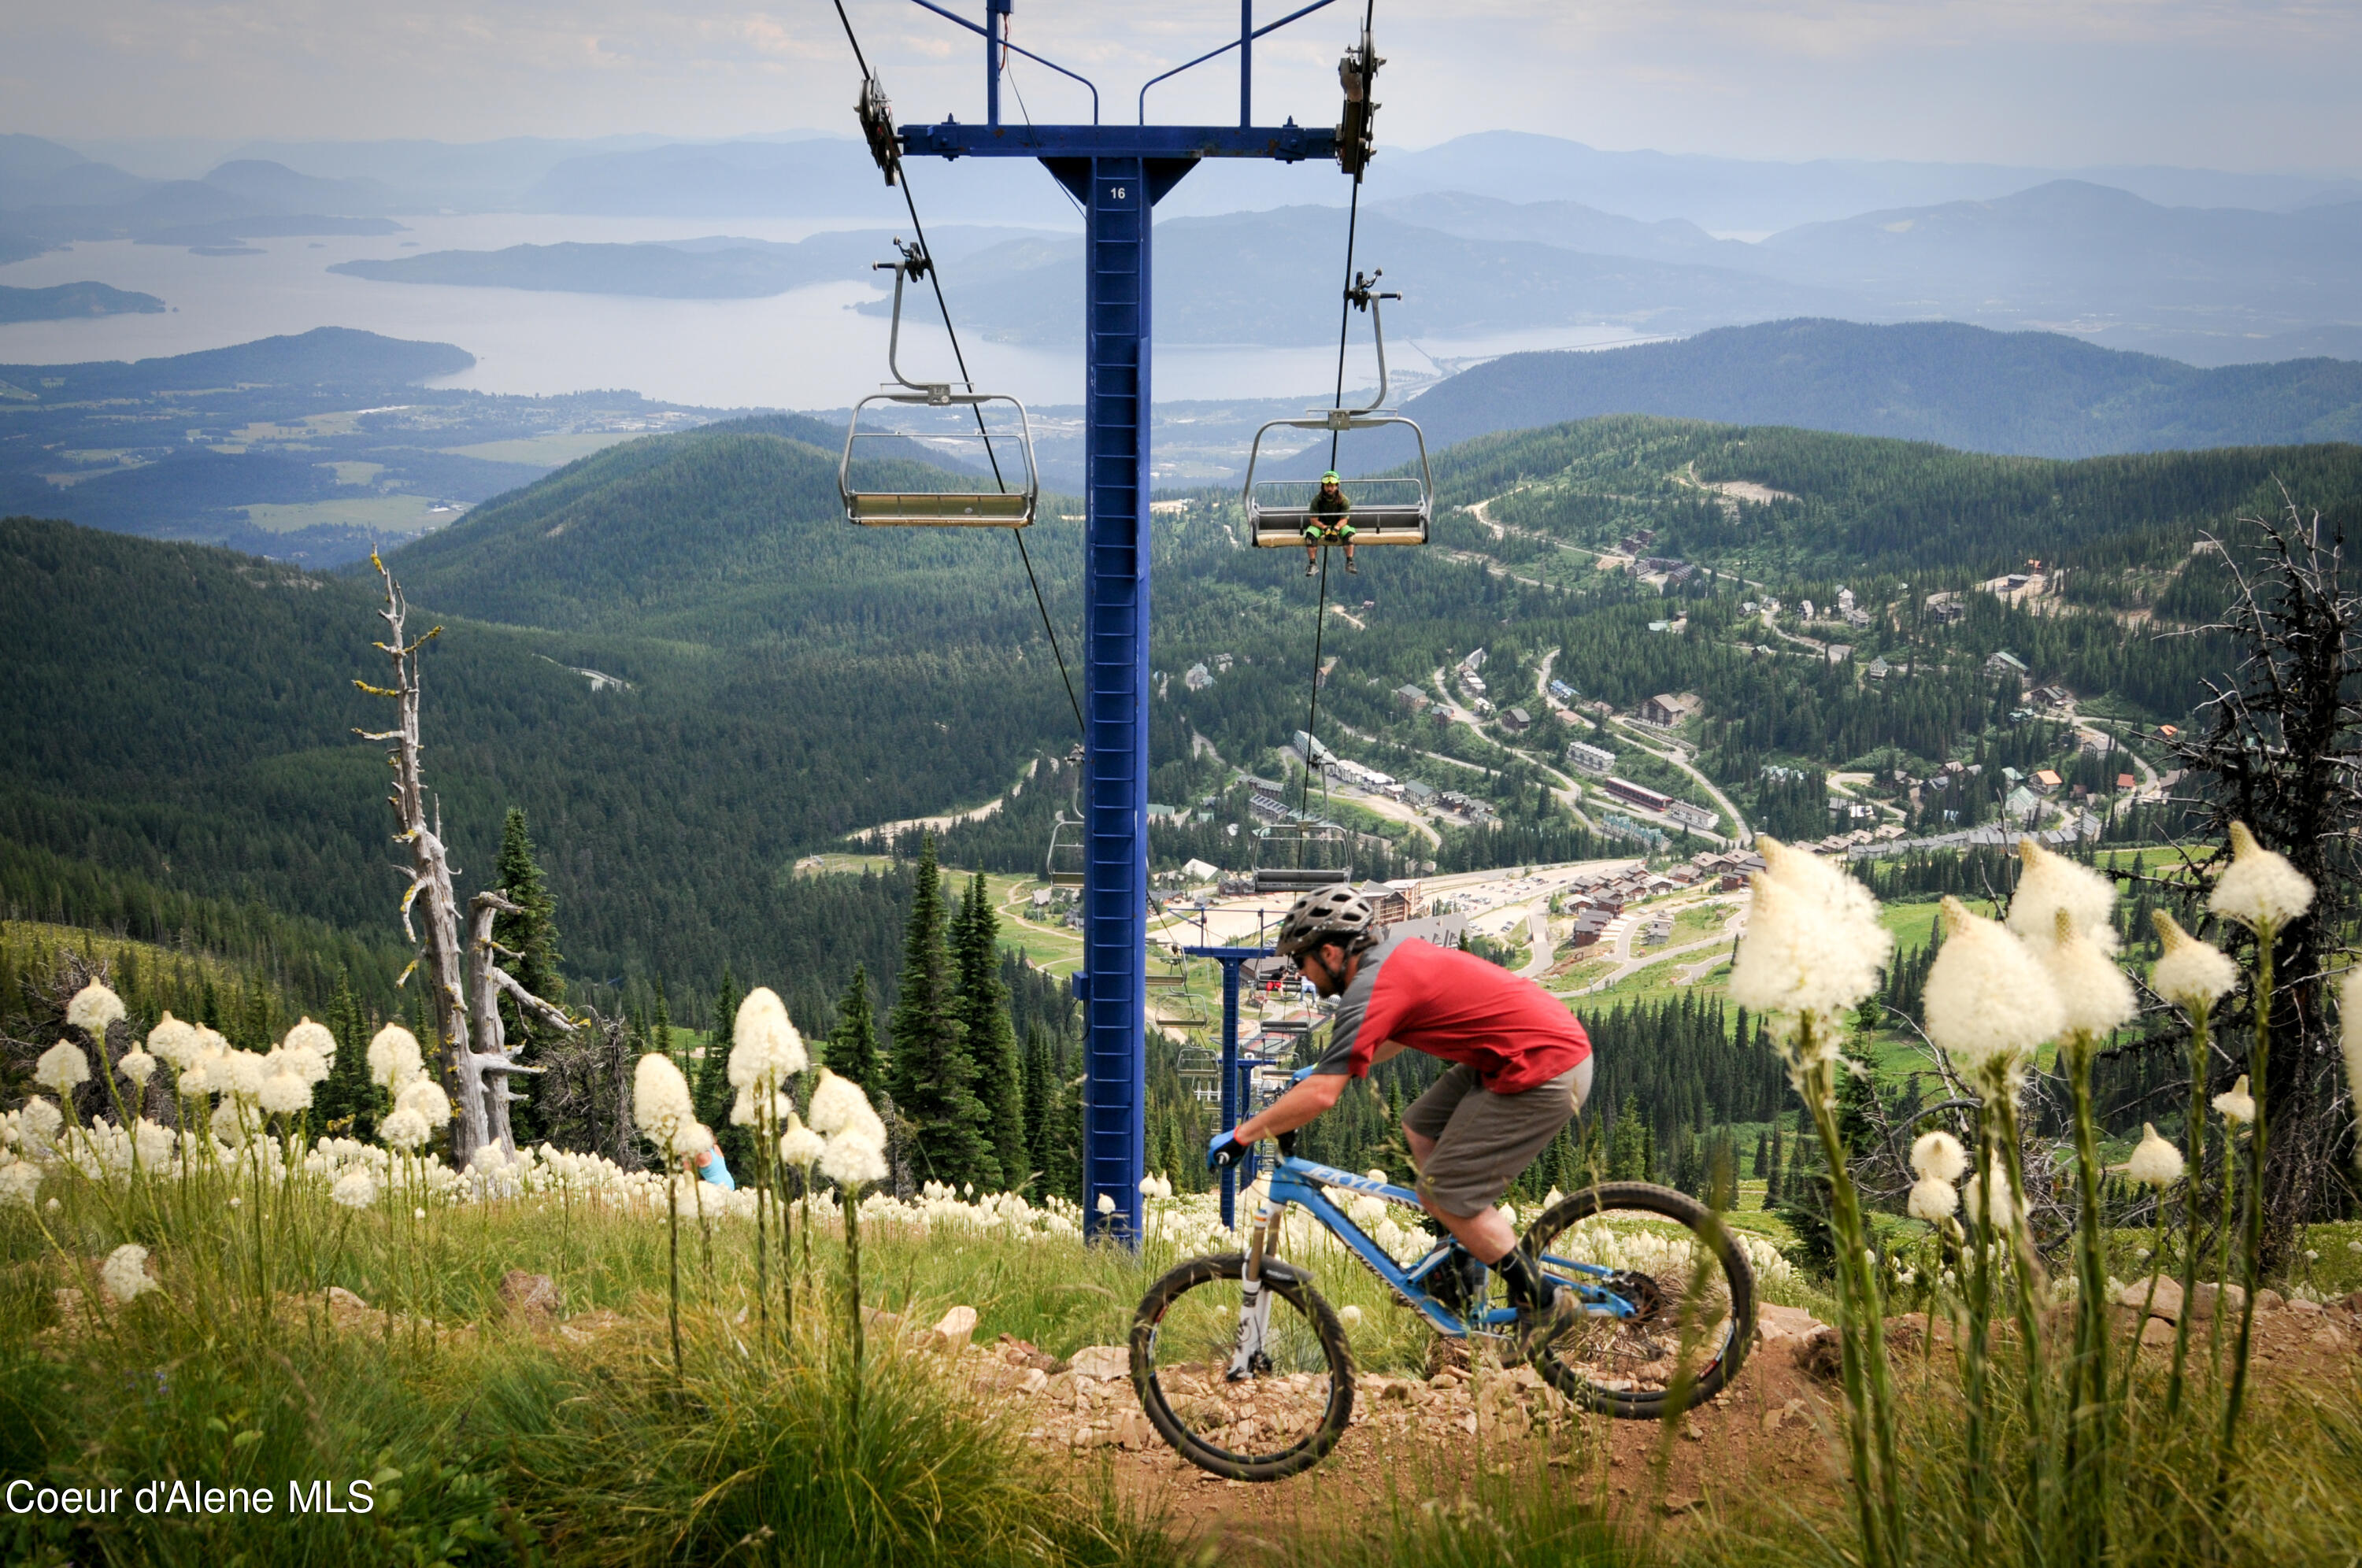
(1385, 511)
(1011, 503)
(1307, 839)
(1063, 866)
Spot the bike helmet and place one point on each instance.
(1336, 914)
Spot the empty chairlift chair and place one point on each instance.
(885, 489)
(1385, 511)
(1295, 843)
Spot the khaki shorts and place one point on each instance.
(1485, 1141)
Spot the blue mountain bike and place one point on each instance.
(1246, 1370)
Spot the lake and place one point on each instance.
(807, 348)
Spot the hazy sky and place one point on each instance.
(2220, 84)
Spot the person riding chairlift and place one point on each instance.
(1328, 524)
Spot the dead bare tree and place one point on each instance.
(475, 1049)
(2282, 752)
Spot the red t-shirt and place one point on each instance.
(1459, 1007)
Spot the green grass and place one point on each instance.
(402, 514)
(548, 451)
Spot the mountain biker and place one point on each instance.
(1329, 524)
(1521, 1069)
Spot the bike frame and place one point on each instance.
(1300, 1182)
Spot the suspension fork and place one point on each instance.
(1248, 1356)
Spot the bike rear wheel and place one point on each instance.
(1280, 1414)
(1686, 1292)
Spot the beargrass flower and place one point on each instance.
(284, 1093)
(2189, 973)
(243, 1071)
(39, 1123)
(353, 1189)
(850, 1159)
(152, 1141)
(1987, 997)
(1814, 945)
(661, 1106)
(175, 1041)
(2260, 888)
(1934, 1200)
(61, 1066)
(2154, 1163)
(404, 1130)
(230, 1125)
(838, 1106)
(93, 1008)
(307, 1035)
(766, 1046)
(2095, 995)
(1939, 1155)
(692, 1137)
(393, 1057)
(799, 1146)
(1350, 1315)
(2236, 1105)
(138, 1065)
(2005, 1199)
(124, 1273)
(2052, 886)
(1107, 1203)
(426, 1097)
(20, 1183)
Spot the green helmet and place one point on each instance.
(1328, 477)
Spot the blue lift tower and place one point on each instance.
(1118, 174)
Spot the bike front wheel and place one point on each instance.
(1667, 1300)
(1250, 1390)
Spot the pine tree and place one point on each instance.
(710, 1090)
(1763, 1152)
(932, 1080)
(852, 1050)
(1041, 1105)
(1628, 1156)
(1774, 1182)
(531, 937)
(982, 1006)
(347, 1097)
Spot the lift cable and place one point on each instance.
(1344, 326)
(935, 277)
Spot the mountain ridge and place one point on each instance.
(2021, 393)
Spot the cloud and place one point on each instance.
(2263, 83)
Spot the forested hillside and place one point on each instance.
(2036, 393)
(179, 723)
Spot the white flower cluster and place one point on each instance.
(92, 1010)
(662, 1109)
(1938, 1160)
(1988, 1002)
(2259, 888)
(124, 1273)
(2154, 1163)
(1813, 947)
(766, 1054)
(2189, 973)
(855, 1152)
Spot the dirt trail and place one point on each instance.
(1410, 1444)
(1773, 1438)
